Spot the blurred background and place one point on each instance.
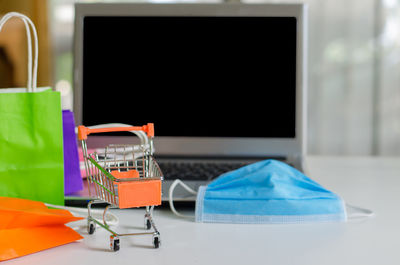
(353, 67)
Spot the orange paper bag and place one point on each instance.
(29, 226)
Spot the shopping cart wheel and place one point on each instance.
(156, 240)
(91, 227)
(114, 243)
(147, 224)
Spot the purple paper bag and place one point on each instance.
(72, 172)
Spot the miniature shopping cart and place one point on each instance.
(123, 176)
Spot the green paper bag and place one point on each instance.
(31, 137)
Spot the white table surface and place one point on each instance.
(368, 182)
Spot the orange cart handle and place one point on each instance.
(83, 131)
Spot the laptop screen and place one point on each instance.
(192, 76)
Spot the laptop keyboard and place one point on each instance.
(196, 170)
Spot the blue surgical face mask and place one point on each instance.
(268, 191)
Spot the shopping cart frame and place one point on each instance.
(102, 181)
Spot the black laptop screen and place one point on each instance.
(192, 76)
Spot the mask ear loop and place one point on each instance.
(171, 200)
(112, 219)
(355, 213)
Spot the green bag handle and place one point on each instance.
(32, 72)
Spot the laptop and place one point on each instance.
(224, 84)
